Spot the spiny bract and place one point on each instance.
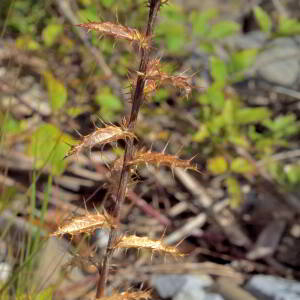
(85, 224)
(143, 156)
(133, 241)
(118, 32)
(101, 136)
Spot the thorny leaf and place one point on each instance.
(101, 136)
(133, 241)
(118, 32)
(85, 224)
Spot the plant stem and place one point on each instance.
(154, 6)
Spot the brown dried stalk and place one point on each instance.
(133, 241)
(85, 224)
(138, 295)
(118, 32)
(137, 100)
(101, 136)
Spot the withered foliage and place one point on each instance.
(101, 136)
(129, 295)
(143, 156)
(133, 241)
(156, 77)
(118, 32)
(85, 224)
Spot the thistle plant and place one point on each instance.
(146, 80)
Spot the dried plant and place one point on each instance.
(101, 136)
(85, 224)
(148, 78)
(133, 241)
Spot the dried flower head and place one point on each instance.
(129, 295)
(85, 224)
(101, 136)
(118, 32)
(133, 241)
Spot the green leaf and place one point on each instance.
(9, 125)
(223, 29)
(201, 134)
(250, 115)
(200, 21)
(48, 146)
(242, 60)
(288, 26)
(109, 103)
(264, 21)
(234, 191)
(218, 69)
(51, 33)
(56, 91)
(217, 165)
(173, 34)
(283, 126)
(45, 294)
(213, 96)
(293, 173)
(89, 13)
(241, 165)
(108, 3)
(26, 42)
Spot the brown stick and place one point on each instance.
(154, 6)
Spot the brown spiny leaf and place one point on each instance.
(85, 224)
(157, 158)
(133, 241)
(129, 295)
(101, 136)
(118, 32)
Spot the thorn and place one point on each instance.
(164, 149)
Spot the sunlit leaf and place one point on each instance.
(223, 29)
(234, 191)
(242, 60)
(56, 91)
(217, 165)
(218, 69)
(264, 21)
(109, 103)
(288, 26)
(26, 42)
(45, 294)
(250, 115)
(241, 165)
(200, 20)
(51, 33)
(48, 147)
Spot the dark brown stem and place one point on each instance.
(137, 101)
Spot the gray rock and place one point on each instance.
(274, 288)
(181, 286)
(279, 62)
(194, 289)
(168, 285)
(254, 39)
(5, 271)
